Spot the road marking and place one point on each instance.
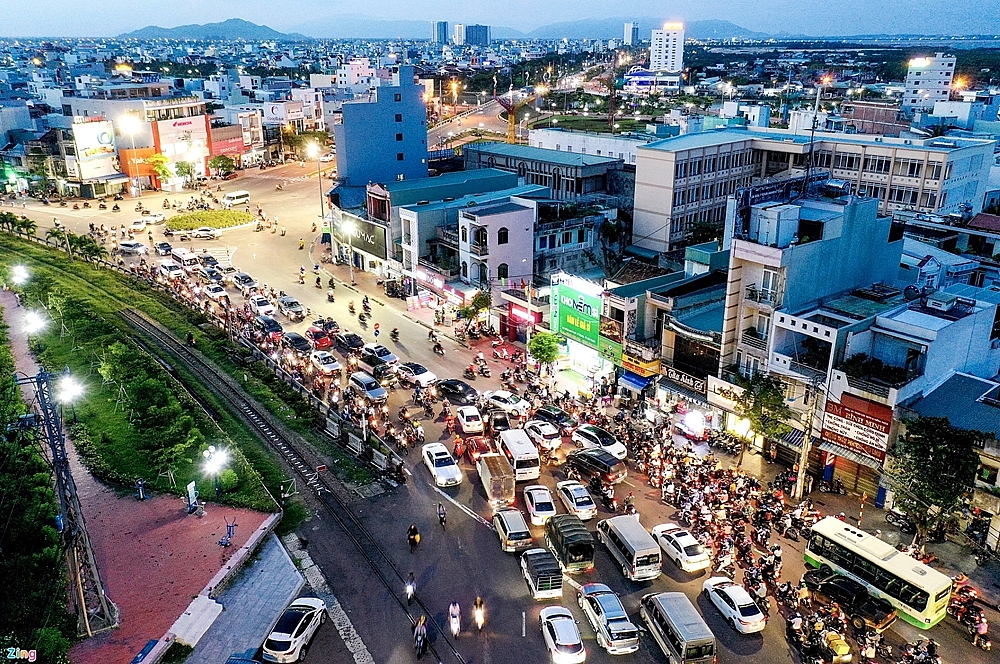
(571, 582)
(524, 621)
(463, 507)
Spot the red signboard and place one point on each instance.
(230, 146)
(859, 425)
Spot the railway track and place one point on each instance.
(302, 461)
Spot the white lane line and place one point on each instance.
(462, 507)
(571, 582)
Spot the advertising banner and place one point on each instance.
(575, 315)
(859, 425)
(609, 350)
(640, 367)
(611, 329)
(367, 237)
(282, 112)
(699, 385)
(96, 154)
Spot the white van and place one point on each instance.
(629, 543)
(186, 259)
(235, 198)
(521, 452)
(678, 628)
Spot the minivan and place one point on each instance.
(677, 628)
(521, 452)
(186, 258)
(235, 198)
(629, 543)
(570, 542)
(512, 530)
(365, 385)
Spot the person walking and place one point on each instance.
(413, 537)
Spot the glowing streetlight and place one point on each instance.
(313, 151)
(18, 275)
(215, 461)
(69, 390)
(130, 125)
(348, 228)
(34, 323)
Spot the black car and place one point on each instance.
(558, 417)
(862, 609)
(269, 327)
(594, 462)
(296, 342)
(208, 260)
(457, 391)
(350, 341)
(162, 248)
(496, 421)
(385, 374)
(210, 275)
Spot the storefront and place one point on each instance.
(685, 398)
(362, 243)
(856, 435)
(574, 313)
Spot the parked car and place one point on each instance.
(469, 419)
(735, 604)
(326, 363)
(441, 465)
(496, 420)
(681, 547)
(510, 402)
(561, 636)
(318, 337)
(543, 434)
(206, 233)
(457, 391)
(862, 609)
(538, 500)
(290, 637)
(411, 373)
(588, 435)
(215, 291)
(577, 499)
(558, 417)
(604, 610)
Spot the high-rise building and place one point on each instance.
(666, 51)
(631, 34)
(439, 32)
(928, 80)
(477, 35)
(459, 37)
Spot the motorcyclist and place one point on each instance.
(455, 618)
(442, 514)
(413, 537)
(420, 635)
(438, 348)
(411, 587)
(479, 611)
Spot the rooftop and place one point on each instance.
(540, 154)
(986, 222)
(498, 208)
(707, 319)
(918, 251)
(637, 288)
(968, 403)
(472, 200)
(444, 180)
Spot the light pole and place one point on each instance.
(130, 126)
(314, 152)
(215, 461)
(70, 390)
(348, 227)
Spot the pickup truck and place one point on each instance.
(542, 574)
(863, 609)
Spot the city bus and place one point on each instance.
(920, 594)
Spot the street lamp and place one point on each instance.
(68, 391)
(18, 275)
(313, 151)
(130, 125)
(34, 323)
(215, 461)
(348, 227)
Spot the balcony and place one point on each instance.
(534, 303)
(871, 375)
(647, 350)
(752, 338)
(785, 364)
(446, 271)
(480, 250)
(447, 237)
(768, 298)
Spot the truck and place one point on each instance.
(497, 477)
(542, 574)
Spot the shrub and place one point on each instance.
(228, 480)
(211, 218)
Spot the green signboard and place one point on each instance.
(610, 350)
(575, 315)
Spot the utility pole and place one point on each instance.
(800, 477)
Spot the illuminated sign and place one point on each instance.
(859, 425)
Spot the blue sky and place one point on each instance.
(819, 17)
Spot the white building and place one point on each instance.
(631, 34)
(358, 76)
(928, 80)
(620, 146)
(666, 51)
(496, 243)
(459, 37)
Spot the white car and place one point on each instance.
(205, 233)
(511, 403)
(543, 434)
(132, 247)
(441, 464)
(374, 354)
(539, 502)
(735, 604)
(296, 627)
(138, 225)
(411, 373)
(587, 435)
(155, 218)
(561, 636)
(615, 633)
(215, 291)
(577, 499)
(328, 157)
(326, 363)
(261, 306)
(681, 546)
(469, 419)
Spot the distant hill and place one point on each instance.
(614, 28)
(351, 26)
(234, 28)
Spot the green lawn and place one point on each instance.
(189, 221)
(595, 123)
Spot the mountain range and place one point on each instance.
(234, 28)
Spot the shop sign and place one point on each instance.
(637, 365)
(611, 330)
(367, 237)
(723, 394)
(609, 350)
(575, 315)
(859, 425)
(699, 385)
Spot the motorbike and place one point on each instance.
(438, 348)
(394, 335)
(480, 617)
(411, 589)
(419, 642)
(473, 333)
(835, 487)
(115, 208)
(469, 374)
(350, 308)
(484, 371)
(455, 620)
(329, 296)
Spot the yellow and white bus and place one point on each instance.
(920, 594)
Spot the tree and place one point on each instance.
(762, 403)
(184, 169)
(25, 227)
(545, 347)
(60, 237)
(223, 164)
(932, 466)
(613, 235)
(481, 301)
(158, 163)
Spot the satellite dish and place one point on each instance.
(911, 293)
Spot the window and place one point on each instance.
(877, 164)
(465, 233)
(399, 137)
(503, 271)
(567, 237)
(503, 236)
(399, 156)
(543, 242)
(846, 162)
(397, 97)
(465, 270)
(399, 117)
(581, 235)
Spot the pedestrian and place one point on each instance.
(442, 515)
(809, 483)
(302, 243)
(282, 229)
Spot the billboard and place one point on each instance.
(366, 237)
(280, 112)
(183, 139)
(575, 314)
(96, 153)
(859, 425)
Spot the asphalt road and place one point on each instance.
(463, 561)
(488, 115)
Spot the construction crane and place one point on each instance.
(510, 103)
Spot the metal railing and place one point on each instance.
(771, 298)
(480, 250)
(752, 338)
(806, 370)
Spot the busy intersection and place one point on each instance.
(741, 518)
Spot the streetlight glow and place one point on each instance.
(18, 274)
(69, 390)
(34, 323)
(312, 150)
(215, 459)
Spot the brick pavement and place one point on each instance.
(251, 604)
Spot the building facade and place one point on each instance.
(477, 35)
(631, 34)
(928, 81)
(666, 49)
(439, 32)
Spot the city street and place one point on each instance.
(463, 561)
(485, 118)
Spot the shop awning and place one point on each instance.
(689, 395)
(633, 382)
(794, 438)
(850, 455)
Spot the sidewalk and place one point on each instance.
(251, 604)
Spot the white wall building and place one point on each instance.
(631, 34)
(666, 51)
(496, 242)
(620, 146)
(459, 37)
(928, 80)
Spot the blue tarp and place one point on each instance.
(633, 381)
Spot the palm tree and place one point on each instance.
(61, 237)
(26, 227)
(7, 221)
